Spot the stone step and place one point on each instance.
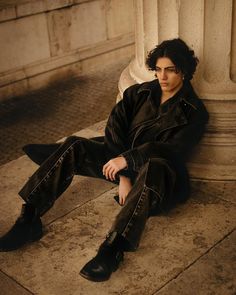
(189, 251)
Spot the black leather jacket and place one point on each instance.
(139, 128)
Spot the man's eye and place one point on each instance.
(168, 70)
(171, 70)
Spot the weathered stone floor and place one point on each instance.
(189, 251)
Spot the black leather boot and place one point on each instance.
(106, 261)
(27, 228)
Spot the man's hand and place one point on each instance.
(125, 186)
(113, 166)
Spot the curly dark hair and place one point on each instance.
(178, 52)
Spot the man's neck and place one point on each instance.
(167, 95)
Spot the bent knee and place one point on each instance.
(73, 139)
(157, 163)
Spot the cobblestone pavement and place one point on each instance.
(58, 111)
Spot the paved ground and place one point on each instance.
(50, 114)
(189, 251)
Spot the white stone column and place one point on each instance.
(209, 27)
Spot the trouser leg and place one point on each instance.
(75, 156)
(38, 153)
(152, 190)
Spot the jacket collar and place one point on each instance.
(149, 86)
(186, 93)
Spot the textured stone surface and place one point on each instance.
(82, 23)
(9, 286)
(29, 7)
(55, 75)
(59, 22)
(169, 246)
(57, 3)
(213, 273)
(56, 39)
(7, 13)
(29, 35)
(58, 111)
(120, 17)
(229, 191)
(222, 189)
(20, 88)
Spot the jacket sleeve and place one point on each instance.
(116, 131)
(178, 146)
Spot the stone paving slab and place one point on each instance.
(222, 189)
(170, 245)
(216, 269)
(10, 287)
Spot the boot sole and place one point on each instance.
(93, 279)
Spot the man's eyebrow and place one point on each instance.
(170, 67)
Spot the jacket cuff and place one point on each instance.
(133, 159)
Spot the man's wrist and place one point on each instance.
(124, 178)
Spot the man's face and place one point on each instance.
(170, 79)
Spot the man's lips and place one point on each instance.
(163, 83)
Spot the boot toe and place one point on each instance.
(21, 234)
(95, 271)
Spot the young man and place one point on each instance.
(148, 137)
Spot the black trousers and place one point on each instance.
(153, 187)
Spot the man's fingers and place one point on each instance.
(109, 174)
(106, 172)
(105, 168)
(121, 200)
(115, 165)
(112, 174)
(109, 171)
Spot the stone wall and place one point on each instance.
(42, 41)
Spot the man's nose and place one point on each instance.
(163, 75)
